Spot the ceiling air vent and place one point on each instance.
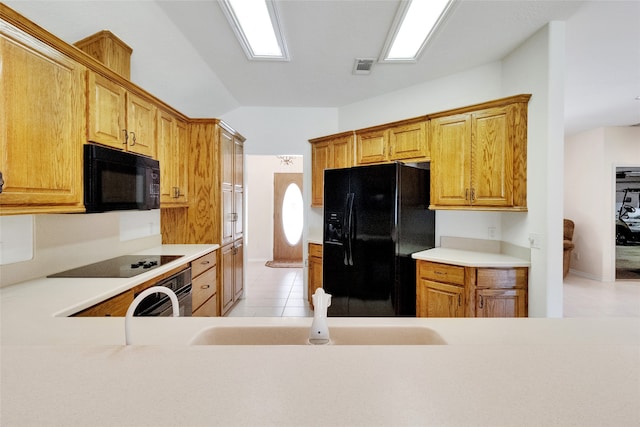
(363, 66)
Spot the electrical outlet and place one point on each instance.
(492, 232)
(535, 239)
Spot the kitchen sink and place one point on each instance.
(298, 335)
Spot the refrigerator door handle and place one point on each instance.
(348, 254)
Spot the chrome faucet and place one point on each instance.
(319, 333)
(139, 298)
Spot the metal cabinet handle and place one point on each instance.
(205, 262)
(133, 138)
(1, 182)
(176, 192)
(459, 300)
(126, 137)
(205, 287)
(481, 303)
(473, 194)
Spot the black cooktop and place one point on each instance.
(122, 266)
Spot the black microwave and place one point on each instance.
(116, 180)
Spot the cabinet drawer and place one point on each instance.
(442, 272)
(203, 263)
(208, 309)
(203, 287)
(501, 277)
(315, 250)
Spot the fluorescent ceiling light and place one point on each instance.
(414, 23)
(257, 27)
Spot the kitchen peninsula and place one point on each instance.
(77, 371)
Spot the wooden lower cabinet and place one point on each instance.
(315, 269)
(232, 278)
(501, 303)
(204, 286)
(444, 290)
(439, 299)
(116, 306)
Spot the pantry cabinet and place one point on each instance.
(478, 158)
(41, 126)
(315, 269)
(173, 140)
(119, 118)
(400, 141)
(331, 152)
(446, 290)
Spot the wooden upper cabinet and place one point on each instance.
(173, 139)
(479, 157)
(451, 160)
(141, 125)
(331, 152)
(409, 141)
(118, 118)
(371, 146)
(41, 126)
(406, 140)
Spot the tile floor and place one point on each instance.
(272, 292)
(278, 292)
(591, 298)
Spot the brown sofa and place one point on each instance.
(568, 245)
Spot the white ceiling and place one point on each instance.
(185, 53)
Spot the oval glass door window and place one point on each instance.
(292, 214)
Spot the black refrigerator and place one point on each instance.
(375, 217)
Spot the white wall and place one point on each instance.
(64, 241)
(591, 159)
(537, 67)
(259, 172)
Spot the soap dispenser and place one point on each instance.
(319, 333)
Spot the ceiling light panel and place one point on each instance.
(415, 21)
(257, 26)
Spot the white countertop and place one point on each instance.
(470, 258)
(492, 372)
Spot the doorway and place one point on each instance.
(627, 217)
(288, 213)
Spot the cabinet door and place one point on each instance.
(341, 152)
(319, 162)
(492, 167)
(226, 176)
(42, 114)
(181, 162)
(106, 118)
(501, 303)
(116, 306)
(167, 156)
(315, 269)
(227, 277)
(172, 152)
(451, 160)
(442, 299)
(408, 142)
(238, 270)
(141, 122)
(371, 147)
(238, 190)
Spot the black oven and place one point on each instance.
(159, 304)
(116, 180)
